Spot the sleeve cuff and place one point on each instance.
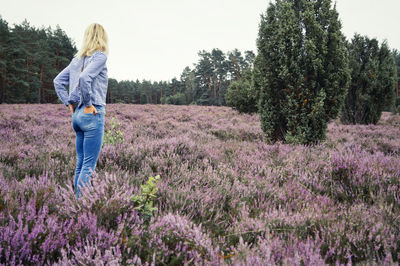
(88, 104)
(71, 101)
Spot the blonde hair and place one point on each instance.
(94, 39)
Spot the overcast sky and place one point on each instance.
(156, 39)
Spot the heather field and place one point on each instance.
(223, 197)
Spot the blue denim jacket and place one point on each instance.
(87, 87)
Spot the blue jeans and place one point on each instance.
(89, 129)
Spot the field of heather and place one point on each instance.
(224, 196)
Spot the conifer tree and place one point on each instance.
(301, 70)
(30, 58)
(396, 107)
(4, 39)
(373, 81)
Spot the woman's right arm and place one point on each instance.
(88, 74)
(60, 82)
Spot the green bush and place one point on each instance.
(301, 70)
(144, 201)
(113, 134)
(373, 81)
(241, 95)
(177, 99)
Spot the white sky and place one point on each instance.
(157, 39)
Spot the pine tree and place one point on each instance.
(373, 81)
(188, 79)
(301, 71)
(30, 58)
(4, 37)
(396, 54)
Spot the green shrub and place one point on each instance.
(113, 134)
(177, 99)
(144, 201)
(241, 96)
(301, 70)
(373, 81)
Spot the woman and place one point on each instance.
(87, 78)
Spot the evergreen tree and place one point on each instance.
(4, 51)
(61, 51)
(396, 55)
(373, 81)
(219, 67)
(111, 90)
(204, 73)
(301, 71)
(189, 81)
(249, 59)
(241, 94)
(30, 58)
(236, 63)
(215, 71)
(17, 65)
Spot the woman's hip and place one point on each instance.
(82, 121)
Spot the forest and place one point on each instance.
(30, 58)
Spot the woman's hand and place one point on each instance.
(71, 108)
(90, 110)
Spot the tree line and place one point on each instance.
(31, 57)
(205, 84)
